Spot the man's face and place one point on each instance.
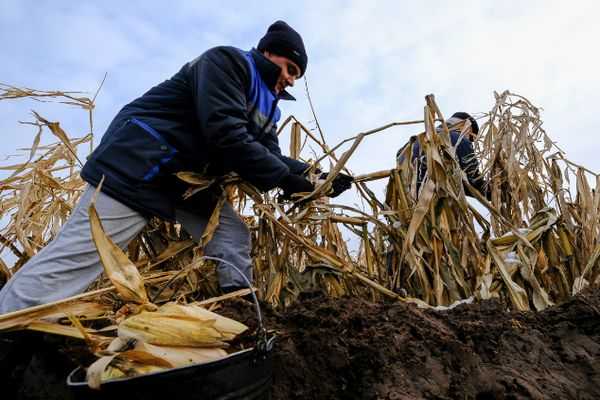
(289, 71)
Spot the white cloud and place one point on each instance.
(369, 62)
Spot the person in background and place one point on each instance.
(464, 152)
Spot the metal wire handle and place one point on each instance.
(262, 332)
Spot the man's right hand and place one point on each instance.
(295, 184)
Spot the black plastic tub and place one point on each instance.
(243, 375)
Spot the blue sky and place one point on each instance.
(370, 63)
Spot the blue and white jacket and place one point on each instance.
(464, 152)
(217, 115)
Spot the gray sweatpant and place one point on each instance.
(70, 262)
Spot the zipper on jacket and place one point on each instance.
(270, 118)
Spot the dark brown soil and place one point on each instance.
(355, 349)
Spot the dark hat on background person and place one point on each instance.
(284, 41)
(464, 116)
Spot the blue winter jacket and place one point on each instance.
(466, 158)
(217, 115)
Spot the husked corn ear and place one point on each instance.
(226, 326)
(181, 325)
(171, 330)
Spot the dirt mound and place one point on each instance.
(354, 349)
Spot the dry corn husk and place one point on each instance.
(178, 356)
(145, 358)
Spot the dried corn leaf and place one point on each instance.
(119, 269)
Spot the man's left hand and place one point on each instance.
(340, 184)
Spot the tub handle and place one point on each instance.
(261, 336)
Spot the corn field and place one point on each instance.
(534, 244)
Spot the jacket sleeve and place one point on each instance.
(469, 164)
(272, 143)
(219, 80)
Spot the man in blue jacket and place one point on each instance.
(217, 115)
(464, 152)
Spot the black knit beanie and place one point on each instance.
(284, 41)
(464, 115)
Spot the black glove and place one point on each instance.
(340, 184)
(295, 184)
